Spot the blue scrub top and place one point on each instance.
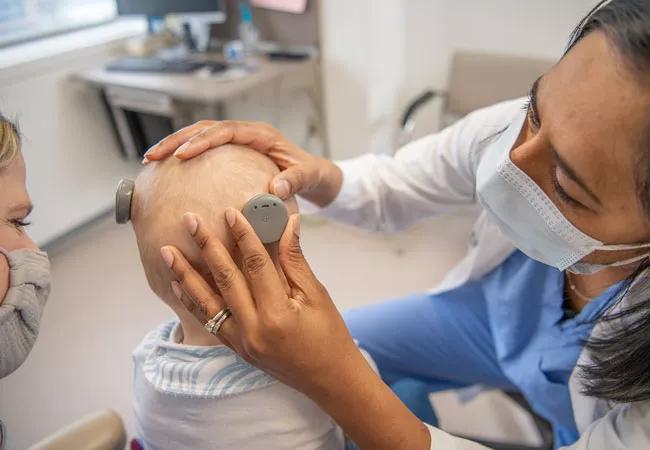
(507, 330)
(537, 347)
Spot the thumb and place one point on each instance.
(293, 263)
(294, 180)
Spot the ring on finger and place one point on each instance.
(218, 325)
(214, 325)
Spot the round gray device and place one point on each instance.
(268, 216)
(123, 198)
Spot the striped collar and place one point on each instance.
(195, 371)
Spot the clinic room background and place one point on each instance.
(94, 83)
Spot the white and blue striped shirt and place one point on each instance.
(209, 398)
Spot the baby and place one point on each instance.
(189, 390)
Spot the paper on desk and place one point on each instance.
(292, 6)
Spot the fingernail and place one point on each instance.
(167, 256)
(153, 147)
(191, 224)
(181, 149)
(176, 289)
(296, 226)
(145, 160)
(231, 216)
(282, 188)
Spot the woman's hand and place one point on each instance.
(295, 334)
(314, 178)
(278, 331)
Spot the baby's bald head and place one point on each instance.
(206, 185)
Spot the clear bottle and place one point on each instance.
(248, 33)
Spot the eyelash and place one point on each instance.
(533, 119)
(561, 193)
(531, 107)
(20, 223)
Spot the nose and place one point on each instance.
(531, 156)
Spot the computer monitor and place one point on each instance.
(163, 7)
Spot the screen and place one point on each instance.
(162, 7)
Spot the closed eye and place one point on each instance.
(561, 193)
(20, 223)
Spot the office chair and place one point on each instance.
(477, 80)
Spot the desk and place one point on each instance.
(186, 98)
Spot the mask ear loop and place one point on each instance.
(123, 199)
(619, 247)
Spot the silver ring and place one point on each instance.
(214, 325)
(220, 322)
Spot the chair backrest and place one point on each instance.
(103, 430)
(481, 79)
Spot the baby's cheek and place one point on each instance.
(13, 239)
(4, 277)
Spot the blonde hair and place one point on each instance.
(9, 141)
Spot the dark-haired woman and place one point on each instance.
(552, 297)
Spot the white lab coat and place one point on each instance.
(436, 175)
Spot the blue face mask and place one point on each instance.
(524, 213)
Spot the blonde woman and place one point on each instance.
(24, 269)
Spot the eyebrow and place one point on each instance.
(561, 163)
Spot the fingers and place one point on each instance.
(200, 299)
(229, 279)
(4, 277)
(205, 135)
(171, 143)
(293, 180)
(293, 262)
(227, 334)
(258, 136)
(258, 268)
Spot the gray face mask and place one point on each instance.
(20, 312)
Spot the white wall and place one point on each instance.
(72, 157)
(380, 54)
(360, 83)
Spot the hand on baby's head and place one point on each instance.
(226, 177)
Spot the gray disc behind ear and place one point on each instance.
(268, 216)
(123, 197)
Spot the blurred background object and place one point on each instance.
(22, 20)
(102, 430)
(93, 85)
(470, 72)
